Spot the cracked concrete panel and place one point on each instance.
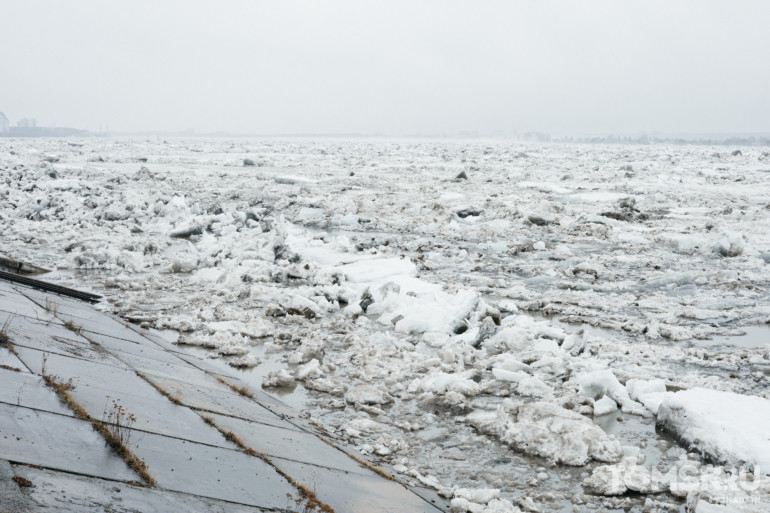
(6, 286)
(159, 345)
(119, 332)
(213, 472)
(268, 401)
(289, 444)
(162, 345)
(355, 493)
(56, 339)
(180, 370)
(123, 348)
(100, 323)
(148, 334)
(79, 369)
(68, 493)
(202, 364)
(191, 365)
(217, 398)
(58, 442)
(84, 316)
(28, 390)
(149, 350)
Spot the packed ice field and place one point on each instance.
(522, 327)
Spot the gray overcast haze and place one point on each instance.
(430, 67)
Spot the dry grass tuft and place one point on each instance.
(59, 386)
(235, 388)
(174, 398)
(51, 306)
(94, 343)
(118, 421)
(4, 333)
(370, 466)
(22, 481)
(72, 327)
(232, 437)
(120, 447)
(307, 501)
(124, 452)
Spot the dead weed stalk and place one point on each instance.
(118, 445)
(4, 339)
(118, 421)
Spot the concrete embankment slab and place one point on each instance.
(208, 443)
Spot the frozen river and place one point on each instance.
(518, 326)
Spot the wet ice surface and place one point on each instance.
(390, 301)
(746, 337)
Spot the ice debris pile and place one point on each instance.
(410, 289)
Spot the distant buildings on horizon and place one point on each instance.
(27, 123)
(27, 127)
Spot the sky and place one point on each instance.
(388, 67)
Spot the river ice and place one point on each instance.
(506, 338)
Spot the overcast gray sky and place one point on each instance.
(392, 67)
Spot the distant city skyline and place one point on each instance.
(7, 125)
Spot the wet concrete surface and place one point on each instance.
(70, 493)
(58, 442)
(154, 400)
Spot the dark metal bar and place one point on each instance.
(50, 287)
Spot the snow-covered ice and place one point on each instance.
(504, 322)
(727, 427)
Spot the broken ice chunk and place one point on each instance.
(547, 430)
(532, 386)
(310, 370)
(367, 394)
(603, 382)
(604, 406)
(650, 393)
(279, 378)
